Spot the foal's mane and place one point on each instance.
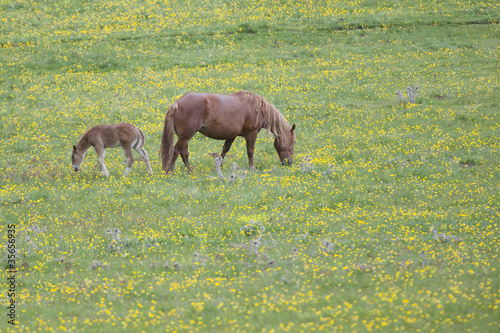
(84, 136)
(274, 121)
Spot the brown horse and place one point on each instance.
(111, 136)
(223, 117)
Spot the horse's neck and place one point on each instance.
(83, 144)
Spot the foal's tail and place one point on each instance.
(141, 140)
(167, 140)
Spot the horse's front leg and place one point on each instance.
(225, 148)
(250, 139)
(130, 160)
(100, 159)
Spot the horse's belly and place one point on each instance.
(113, 144)
(218, 133)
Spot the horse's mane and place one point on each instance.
(274, 121)
(84, 137)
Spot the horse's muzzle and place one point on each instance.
(287, 161)
(76, 169)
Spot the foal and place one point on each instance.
(111, 136)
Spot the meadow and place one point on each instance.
(389, 219)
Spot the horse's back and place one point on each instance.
(212, 105)
(192, 103)
(216, 116)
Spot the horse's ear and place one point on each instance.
(293, 128)
(74, 148)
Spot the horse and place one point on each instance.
(223, 117)
(101, 137)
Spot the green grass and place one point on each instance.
(388, 220)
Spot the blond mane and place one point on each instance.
(274, 121)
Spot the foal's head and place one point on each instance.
(77, 159)
(284, 146)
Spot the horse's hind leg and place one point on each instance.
(185, 159)
(181, 147)
(99, 149)
(145, 157)
(130, 160)
(174, 157)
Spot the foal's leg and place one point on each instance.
(226, 147)
(130, 159)
(99, 149)
(145, 157)
(250, 139)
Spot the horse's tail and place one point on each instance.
(167, 140)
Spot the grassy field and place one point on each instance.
(389, 220)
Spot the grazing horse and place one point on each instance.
(111, 136)
(223, 117)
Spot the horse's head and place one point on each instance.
(284, 146)
(77, 159)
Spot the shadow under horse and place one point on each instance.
(223, 117)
